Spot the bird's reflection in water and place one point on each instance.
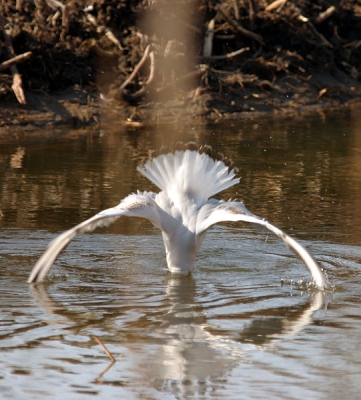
(189, 353)
(265, 331)
(181, 353)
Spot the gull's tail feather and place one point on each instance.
(191, 173)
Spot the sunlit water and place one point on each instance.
(244, 325)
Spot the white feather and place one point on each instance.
(182, 210)
(188, 174)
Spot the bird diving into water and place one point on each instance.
(183, 209)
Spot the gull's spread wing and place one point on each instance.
(135, 205)
(218, 211)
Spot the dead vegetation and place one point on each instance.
(185, 57)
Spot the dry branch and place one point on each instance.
(19, 5)
(17, 86)
(236, 9)
(54, 5)
(184, 78)
(17, 82)
(326, 14)
(151, 71)
(226, 56)
(277, 4)
(136, 69)
(39, 4)
(317, 33)
(251, 12)
(105, 349)
(141, 91)
(15, 60)
(101, 28)
(208, 39)
(238, 27)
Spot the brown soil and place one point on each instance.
(83, 54)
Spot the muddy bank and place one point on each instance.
(133, 61)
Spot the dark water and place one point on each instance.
(232, 329)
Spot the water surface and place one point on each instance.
(243, 325)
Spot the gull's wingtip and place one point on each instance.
(39, 272)
(317, 275)
(236, 211)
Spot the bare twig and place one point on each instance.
(317, 33)
(108, 33)
(355, 44)
(15, 60)
(238, 27)
(65, 19)
(151, 69)
(277, 4)
(225, 37)
(136, 69)
(54, 5)
(105, 349)
(17, 86)
(168, 48)
(228, 55)
(142, 90)
(39, 4)
(184, 78)
(236, 9)
(322, 92)
(208, 39)
(251, 12)
(312, 27)
(326, 14)
(17, 82)
(19, 5)
(191, 75)
(192, 27)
